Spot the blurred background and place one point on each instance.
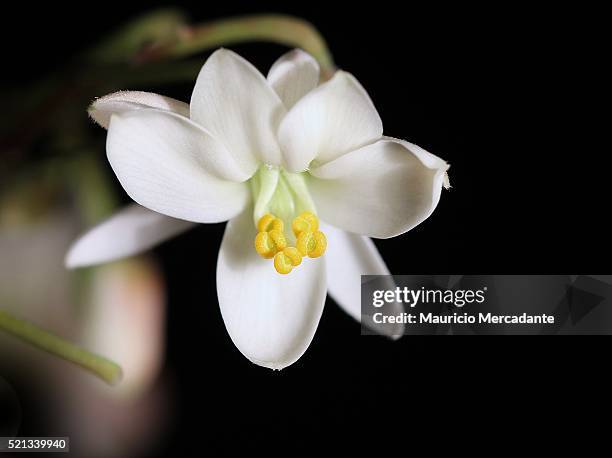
(487, 89)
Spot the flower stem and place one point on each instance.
(103, 368)
(275, 28)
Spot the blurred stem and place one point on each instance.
(103, 368)
(285, 30)
(122, 45)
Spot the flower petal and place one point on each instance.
(168, 164)
(130, 231)
(294, 75)
(271, 318)
(235, 103)
(348, 257)
(103, 108)
(381, 190)
(329, 121)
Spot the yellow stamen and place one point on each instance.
(320, 245)
(294, 254)
(264, 245)
(270, 241)
(269, 222)
(310, 240)
(286, 260)
(306, 221)
(312, 244)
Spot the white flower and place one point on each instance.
(248, 148)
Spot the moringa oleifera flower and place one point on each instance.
(302, 172)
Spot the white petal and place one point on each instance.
(168, 164)
(329, 121)
(381, 190)
(103, 108)
(192, 139)
(130, 231)
(271, 318)
(235, 103)
(294, 75)
(348, 257)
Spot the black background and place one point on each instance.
(498, 93)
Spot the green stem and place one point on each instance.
(152, 27)
(275, 28)
(103, 368)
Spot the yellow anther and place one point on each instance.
(267, 244)
(286, 260)
(278, 237)
(312, 244)
(270, 241)
(320, 245)
(270, 222)
(264, 245)
(305, 221)
(294, 254)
